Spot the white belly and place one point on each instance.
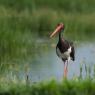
(65, 55)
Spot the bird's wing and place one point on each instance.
(64, 46)
(72, 54)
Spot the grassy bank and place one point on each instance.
(75, 86)
(71, 87)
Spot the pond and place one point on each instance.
(49, 66)
(46, 65)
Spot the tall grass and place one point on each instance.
(43, 21)
(64, 5)
(76, 86)
(52, 88)
(19, 28)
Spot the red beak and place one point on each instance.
(58, 29)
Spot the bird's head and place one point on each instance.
(58, 29)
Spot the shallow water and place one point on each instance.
(48, 66)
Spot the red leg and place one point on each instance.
(65, 69)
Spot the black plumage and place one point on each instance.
(64, 49)
(63, 45)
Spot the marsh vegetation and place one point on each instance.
(26, 50)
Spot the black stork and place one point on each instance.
(64, 49)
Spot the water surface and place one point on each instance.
(48, 66)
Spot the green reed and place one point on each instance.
(63, 5)
(86, 87)
(13, 85)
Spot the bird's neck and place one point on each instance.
(60, 36)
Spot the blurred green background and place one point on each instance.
(23, 22)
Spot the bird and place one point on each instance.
(64, 48)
